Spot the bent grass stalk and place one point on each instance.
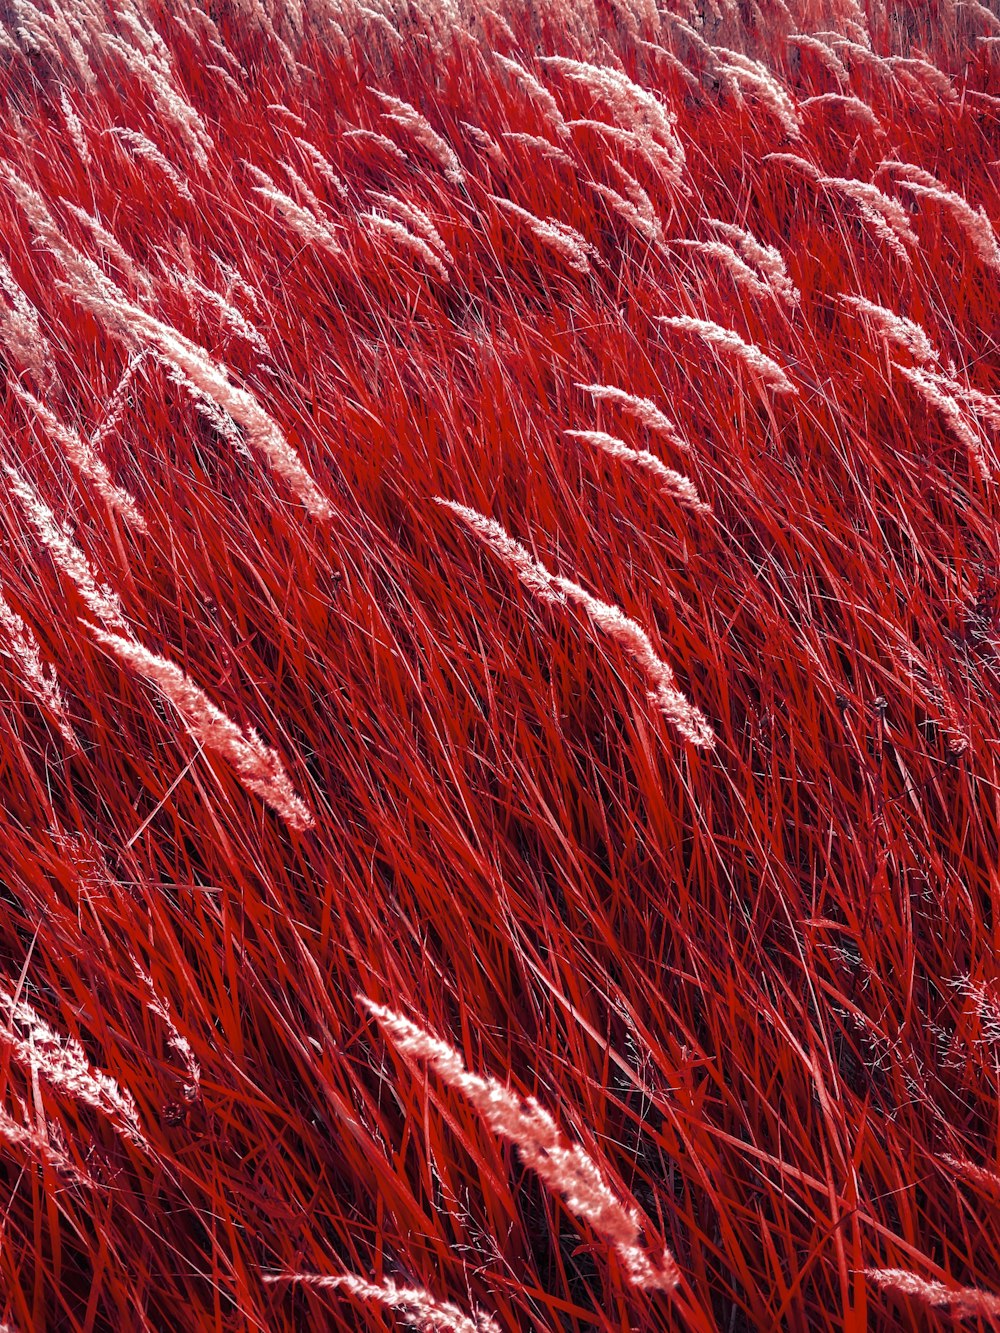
(563, 1166)
(417, 1306)
(258, 767)
(764, 367)
(962, 1302)
(688, 720)
(674, 484)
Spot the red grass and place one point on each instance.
(277, 730)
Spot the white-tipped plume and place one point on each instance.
(84, 458)
(962, 1302)
(764, 367)
(642, 409)
(563, 1166)
(61, 1062)
(894, 328)
(100, 600)
(688, 720)
(408, 118)
(674, 484)
(259, 768)
(567, 242)
(417, 1306)
(41, 680)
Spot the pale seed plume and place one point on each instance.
(99, 599)
(851, 106)
(752, 77)
(376, 140)
(611, 620)
(965, 430)
(485, 142)
(83, 456)
(535, 91)
(258, 767)
(927, 77)
(304, 190)
(41, 680)
(382, 22)
(408, 118)
(116, 404)
(178, 1043)
(824, 55)
(648, 227)
(416, 219)
(417, 1306)
(764, 367)
(322, 167)
(635, 109)
(642, 409)
(64, 1066)
(145, 150)
(230, 318)
(659, 157)
(40, 1148)
(767, 260)
(302, 222)
(895, 328)
(206, 406)
(137, 326)
(389, 230)
(174, 109)
(795, 163)
(971, 221)
(727, 259)
(671, 483)
(564, 1167)
(21, 332)
(535, 143)
(673, 63)
(962, 1302)
(908, 171)
(976, 1175)
(574, 248)
(111, 246)
(886, 217)
(74, 129)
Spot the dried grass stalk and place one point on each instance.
(563, 1166)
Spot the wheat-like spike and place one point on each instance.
(61, 1061)
(642, 409)
(535, 91)
(963, 1302)
(688, 720)
(564, 1167)
(40, 679)
(574, 248)
(417, 1306)
(390, 230)
(407, 117)
(146, 151)
(936, 395)
(973, 222)
(896, 328)
(766, 369)
(83, 456)
(674, 484)
(100, 600)
(259, 768)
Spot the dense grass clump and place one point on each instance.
(499, 665)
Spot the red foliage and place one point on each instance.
(653, 776)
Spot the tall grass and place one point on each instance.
(500, 518)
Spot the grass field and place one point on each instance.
(499, 665)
